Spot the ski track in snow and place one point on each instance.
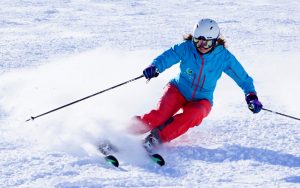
(54, 53)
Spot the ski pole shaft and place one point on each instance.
(84, 98)
(281, 114)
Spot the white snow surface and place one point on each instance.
(55, 52)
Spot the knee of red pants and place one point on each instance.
(206, 107)
(154, 118)
(138, 126)
(197, 110)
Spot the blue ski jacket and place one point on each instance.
(199, 73)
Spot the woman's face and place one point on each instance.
(203, 45)
(203, 50)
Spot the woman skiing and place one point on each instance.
(202, 57)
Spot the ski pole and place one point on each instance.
(84, 98)
(280, 114)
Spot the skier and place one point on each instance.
(202, 57)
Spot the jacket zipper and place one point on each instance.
(199, 77)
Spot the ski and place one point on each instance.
(107, 150)
(110, 159)
(158, 159)
(150, 143)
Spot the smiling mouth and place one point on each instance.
(202, 48)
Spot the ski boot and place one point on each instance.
(106, 148)
(152, 141)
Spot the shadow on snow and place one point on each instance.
(237, 153)
(292, 179)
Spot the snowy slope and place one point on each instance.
(55, 53)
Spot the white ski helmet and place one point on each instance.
(206, 28)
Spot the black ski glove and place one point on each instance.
(253, 103)
(150, 72)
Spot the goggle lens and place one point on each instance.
(204, 43)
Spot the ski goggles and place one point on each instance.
(204, 42)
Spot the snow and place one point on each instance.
(53, 53)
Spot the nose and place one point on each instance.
(200, 43)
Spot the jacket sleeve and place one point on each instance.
(235, 70)
(170, 57)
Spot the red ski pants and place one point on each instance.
(170, 103)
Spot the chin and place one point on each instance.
(204, 50)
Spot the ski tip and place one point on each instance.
(158, 159)
(112, 160)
